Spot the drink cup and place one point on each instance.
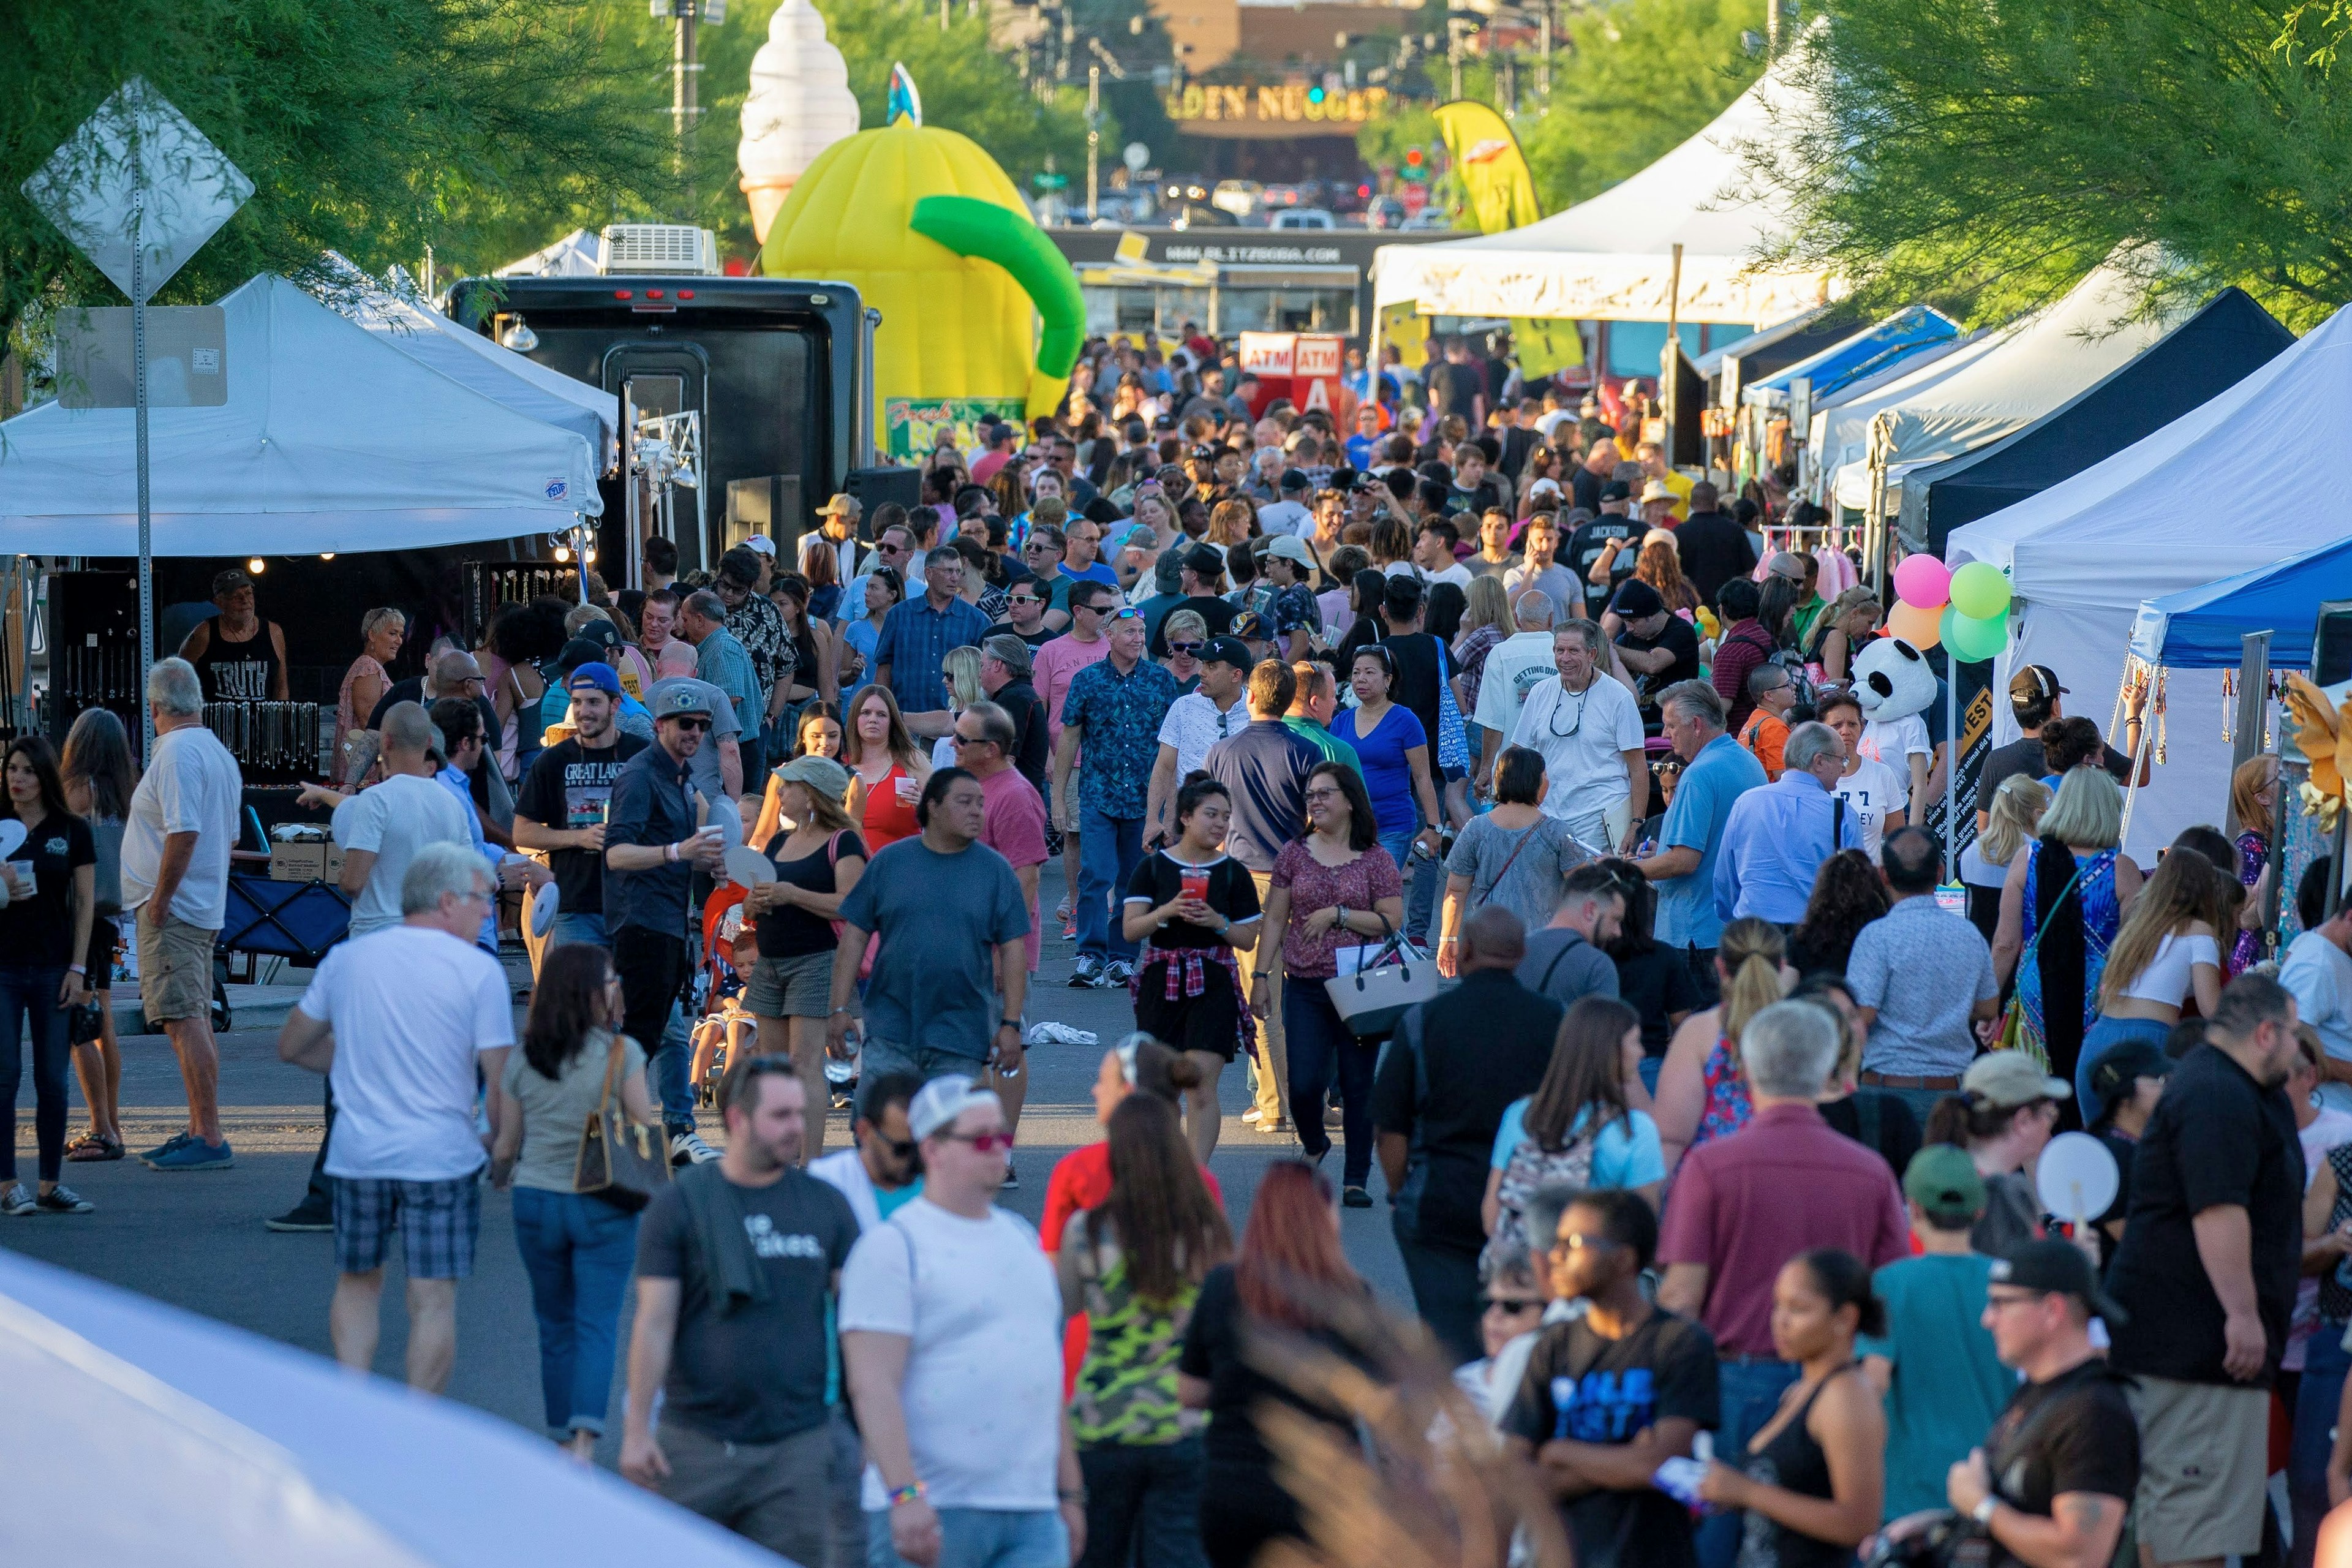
(23, 871)
(1195, 884)
(908, 790)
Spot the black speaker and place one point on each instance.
(2331, 648)
(871, 487)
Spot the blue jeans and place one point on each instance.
(579, 1251)
(1749, 1390)
(980, 1538)
(1109, 849)
(1317, 1040)
(1650, 1069)
(1420, 881)
(672, 1066)
(1143, 1505)
(578, 925)
(2325, 1363)
(2104, 1035)
(29, 992)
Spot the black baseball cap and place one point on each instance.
(1637, 599)
(1228, 650)
(1616, 490)
(2057, 1269)
(2033, 686)
(2125, 1065)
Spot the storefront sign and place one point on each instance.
(1292, 103)
(912, 426)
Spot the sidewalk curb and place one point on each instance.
(249, 1007)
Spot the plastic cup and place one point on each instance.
(1195, 884)
(908, 790)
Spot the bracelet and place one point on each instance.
(1012, 1024)
(1340, 923)
(913, 1491)
(77, 969)
(669, 854)
(838, 1011)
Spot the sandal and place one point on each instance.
(93, 1147)
(87, 1140)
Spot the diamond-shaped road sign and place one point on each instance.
(138, 162)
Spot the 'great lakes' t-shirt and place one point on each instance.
(1581, 1388)
(568, 787)
(756, 1374)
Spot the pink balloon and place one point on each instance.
(1924, 582)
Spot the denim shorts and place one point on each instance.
(800, 986)
(438, 1223)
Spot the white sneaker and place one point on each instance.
(1253, 1115)
(688, 1148)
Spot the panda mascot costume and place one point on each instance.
(1894, 688)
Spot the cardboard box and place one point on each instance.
(299, 861)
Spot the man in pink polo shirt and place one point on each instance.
(1015, 826)
(1056, 665)
(1741, 1206)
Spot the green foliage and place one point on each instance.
(372, 126)
(2004, 150)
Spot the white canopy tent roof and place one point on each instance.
(171, 1435)
(331, 439)
(2045, 360)
(1612, 258)
(579, 253)
(2082, 554)
(1840, 431)
(468, 357)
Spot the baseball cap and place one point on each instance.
(939, 1103)
(1227, 651)
(230, 580)
(1206, 560)
(1543, 488)
(594, 676)
(679, 699)
(1290, 547)
(2006, 1080)
(840, 504)
(1788, 565)
(1295, 480)
(1943, 1180)
(2034, 685)
(600, 632)
(1250, 626)
(821, 774)
(761, 544)
(1616, 490)
(2124, 1065)
(580, 652)
(1010, 651)
(2056, 1269)
(1637, 599)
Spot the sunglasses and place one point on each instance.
(1129, 613)
(1022, 599)
(691, 723)
(901, 1151)
(960, 741)
(1186, 647)
(983, 1143)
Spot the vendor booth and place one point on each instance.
(2154, 519)
(1839, 431)
(171, 1435)
(1678, 240)
(2213, 349)
(1882, 346)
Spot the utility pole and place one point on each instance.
(1543, 63)
(1094, 138)
(1771, 29)
(1453, 53)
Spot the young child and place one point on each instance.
(1767, 730)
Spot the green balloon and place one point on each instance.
(1979, 591)
(1971, 639)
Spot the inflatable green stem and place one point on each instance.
(970, 227)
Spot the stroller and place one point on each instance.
(727, 1026)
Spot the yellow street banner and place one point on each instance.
(1493, 170)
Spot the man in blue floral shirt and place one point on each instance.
(1114, 708)
(1292, 615)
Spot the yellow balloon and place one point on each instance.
(953, 326)
(1923, 629)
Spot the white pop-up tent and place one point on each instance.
(468, 357)
(2082, 554)
(331, 439)
(1612, 258)
(1840, 431)
(168, 1435)
(2047, 359)
(577, 255)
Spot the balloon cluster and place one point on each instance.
(1967, 610)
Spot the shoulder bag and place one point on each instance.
(2016, 1034)
(620, 1160)
(1400, 977)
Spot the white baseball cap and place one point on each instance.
(939, 1103)
(761, 544)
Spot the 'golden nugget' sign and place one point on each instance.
(1290, 104)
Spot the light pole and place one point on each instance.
(683, 69)
(1094, 138)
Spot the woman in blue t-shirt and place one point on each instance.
(1579, 1126)
(1393, 751)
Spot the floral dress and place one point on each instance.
(1727, 1107)
(2253, 854)
(2094, 890)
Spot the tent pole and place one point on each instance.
(2139, 754)
(1951, 765)
(2254, 694)
(146, 520)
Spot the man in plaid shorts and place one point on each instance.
(407, 1021)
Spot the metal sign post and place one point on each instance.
(138, 174)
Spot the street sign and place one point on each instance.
(187, 357)
(1138, 157)
(139, 189)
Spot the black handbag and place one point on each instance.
(625, 1163)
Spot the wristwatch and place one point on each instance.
(1982, 1513)
(1012, 1024)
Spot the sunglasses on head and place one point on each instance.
(1130, 614)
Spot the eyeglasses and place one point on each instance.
(2001, 1300)
(1513, 1303)
(692, 722)
(983, 1143)
(1325, 794)
(1022, 599)
(1186, 647)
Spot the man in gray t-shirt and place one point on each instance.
(953, 966)
(717, 767)
(1564, 960)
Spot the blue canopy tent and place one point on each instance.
(2204, 628)
(1876, 348)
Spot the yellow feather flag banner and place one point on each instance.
(1492, 169)
(1546, 347)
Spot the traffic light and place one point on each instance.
(1413, 158)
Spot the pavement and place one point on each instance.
(197, 1241)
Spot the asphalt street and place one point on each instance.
(197, 1242)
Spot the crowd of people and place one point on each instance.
(1710, 1170)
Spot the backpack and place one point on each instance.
(1530, 1166)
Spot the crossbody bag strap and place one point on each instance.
(1533, 828)
(2055, 905)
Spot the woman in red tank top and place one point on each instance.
(891, 770)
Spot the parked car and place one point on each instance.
(1385, 211)
(1239, 197)
(1305, 217)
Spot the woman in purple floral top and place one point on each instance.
(1334, 887)
(2254, 794)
